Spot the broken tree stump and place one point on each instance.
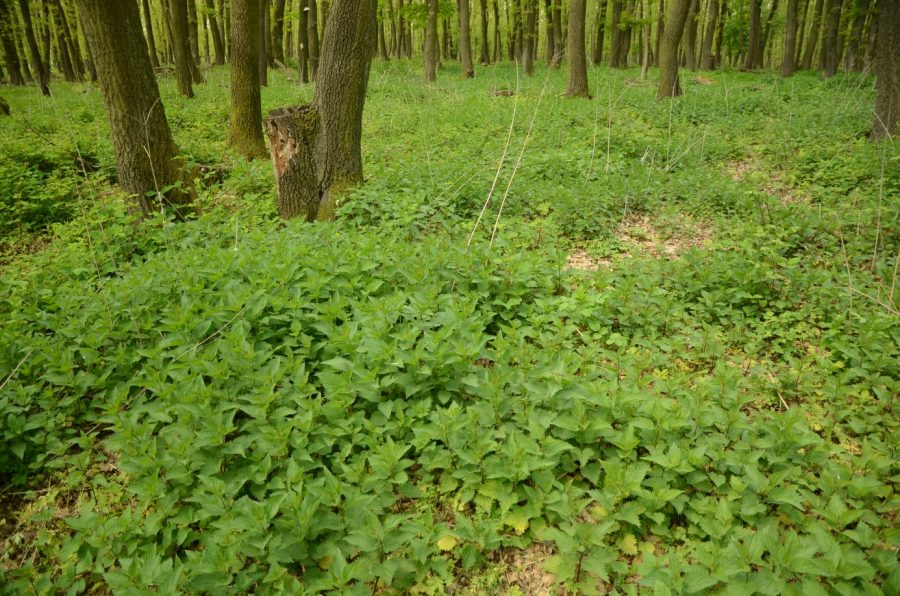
(293, 133)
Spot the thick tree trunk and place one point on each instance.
(669, 85)
(810, 51)
(887, 70)
(660, 27)
(578, 83)
(690, 36)
(10, 53)
(245, 134)
(832, 40)
(754, 49)
(316, 147)
(790, 40)
(431, 41)
(146, 158)
(597, 57)
(465, 40)
(42, 76)
(706, 51)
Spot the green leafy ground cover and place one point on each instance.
(675, 371)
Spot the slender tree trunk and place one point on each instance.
(302, 50)
(465, 40)
(485, 53)
(690, 36)
(218, 42)
(65, 58)
(754, 49)
(597, 58)
(181, 47)
(706, 51)
(767, 30)
(854, 60)
(278, 32)
(660, 27)
(193, 37)
(887, 70)
(42, 76)
(10, 53)
(245, 134)
(669, 85)
(790, 40)
(151, 42)
(289, 32)
(431, 41)
(801, 26)
(813, 38)
(498, 51)
(530, 32)
(70, 33)
(558, 41)
(261, 41)
(46, 37)
(832, 41)
(316, 147)
(578, 83)
(312, 36)
(645, 46)
(615, 50)
(146, 157)
(382, 41)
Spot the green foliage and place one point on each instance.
(233, 404)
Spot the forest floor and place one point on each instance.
(670, 364)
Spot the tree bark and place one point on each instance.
(528, 41)
(262, 35)
(853, 60)
(767, 30)
(831, 42)
(66, 63)
(706, 52)
(810, 51)
(597, 57)
(215, 32)
(312, 36)
(669, 85)
(690, 36)
(316, 147)
(645, 46)
(146, 158)
(193, 36)
(558, 41)
(485, 53)
(615, 49)
(465, 40)
(790, 40)
(278, 32)
(754, 49)
(578, 83)
(42, 75)
(70, 34)
(302, 49)
(245, 134)
(10, 53)
(151, 41)
(498, 51)
(181, 47)
(887, 70)
(431, 41)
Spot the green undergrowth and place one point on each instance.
(233, 404)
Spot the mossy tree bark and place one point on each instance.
(790, 40)
(887, 69)
(578, 83)
(245, 132)
(41, 74)
(669, 86)
(431, 41)
(147, 163)
(316, 147)
(465, 40)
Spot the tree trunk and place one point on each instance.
(193, 37)
(218, 42)
(66, 61)
(302, 49)
(810, 51)
(706, 53)
(312, 36)
(558, 42)
(578, 83)
(146, 157)
(181, 47)
(71, 37)
(669, 86)
(660, 27)
(10, 53)
(615, 49)
(485, 53)
(530, 32)
(245, 132)
(854, 61)
(316, 147)
(262, 68)
(597, 57)
(645, 46)
(431, 41)
(151, 42)
(278, 32)
(382, 41)
(690, 36)
(790, 40)
(497, 49)
(831, 42)
(767, 30)
(465, 40)
(754, 49)
(887, 70)
(42, 76)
